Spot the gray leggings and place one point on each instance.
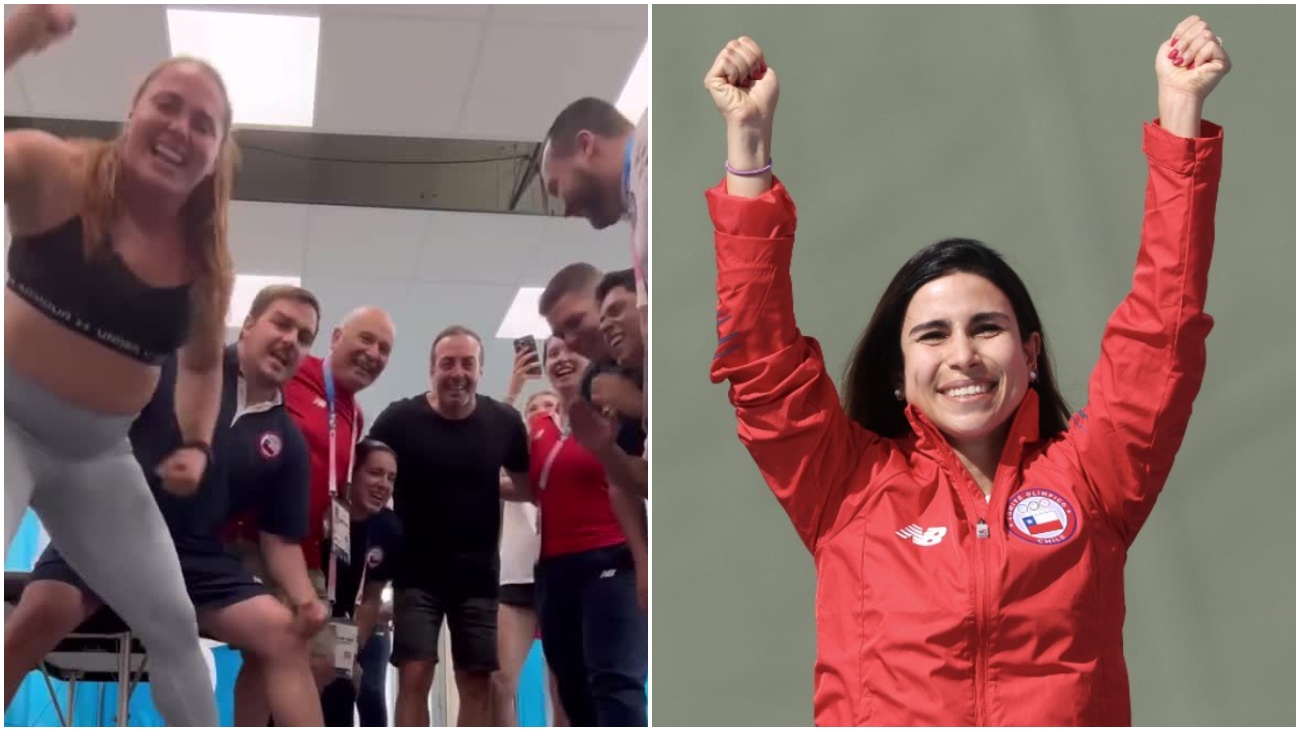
(77, 471)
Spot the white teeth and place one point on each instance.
(974, 390)
(168, 154)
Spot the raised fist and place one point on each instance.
(44, 24)
(743, 86)
(1193, 61)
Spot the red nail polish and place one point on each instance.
(1178, 62)
(1173, 41)
(1173, 54)
(1191, 66)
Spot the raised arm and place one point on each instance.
(40, 175)
(1153, 349)
(789, 413)
(33, 27)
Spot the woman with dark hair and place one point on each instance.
(119, 259)
(374, 541)
(969, 535)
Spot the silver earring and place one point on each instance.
(1033, 376)
(898, 394)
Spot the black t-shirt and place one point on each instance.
(260, 462)
(447, 495)
(375, 543)
(631, 437)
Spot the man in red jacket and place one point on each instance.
(359, 350)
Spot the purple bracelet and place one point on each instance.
(750, 173)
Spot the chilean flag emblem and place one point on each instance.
(1040, 516)
(1044, 521)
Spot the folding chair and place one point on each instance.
(102, 650)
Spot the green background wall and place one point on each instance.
(1021, 127)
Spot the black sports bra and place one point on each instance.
(98, 296)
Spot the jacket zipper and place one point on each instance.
(982, 533)
(963, 483)
(981, 623)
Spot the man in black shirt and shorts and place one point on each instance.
(451, 445)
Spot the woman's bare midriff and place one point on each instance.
(72, 366)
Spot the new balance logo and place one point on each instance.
(922, 537)
(608, 573)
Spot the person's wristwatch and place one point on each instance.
(201, 446)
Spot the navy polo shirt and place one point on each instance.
(260, 463)
(375, 542)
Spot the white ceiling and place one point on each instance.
(499, 72)
(468, 72)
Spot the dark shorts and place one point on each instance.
(523, 596)
(212, 581)
(417, 621)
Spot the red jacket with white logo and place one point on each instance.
(935, 607)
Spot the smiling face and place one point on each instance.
(275, 343)
(372, 485)
(456, 369)
(575, 319)
(564, 367)
(360, 348)
(620, 323)
(577, 180)
(176, 128)
(964, 365)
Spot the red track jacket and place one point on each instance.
(933, 606)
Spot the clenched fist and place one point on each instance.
(743, 87)
(41, 25)
(745, 90)
(1193, 61)
(182, 471)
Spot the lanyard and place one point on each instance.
(545, 475)
(332, 421)
(331, 411)
(332, 416)
(365, 564)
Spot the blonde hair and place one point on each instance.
(537, 395)
(203, 214)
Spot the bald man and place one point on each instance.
(359, 350)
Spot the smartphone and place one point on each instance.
(528, 342)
